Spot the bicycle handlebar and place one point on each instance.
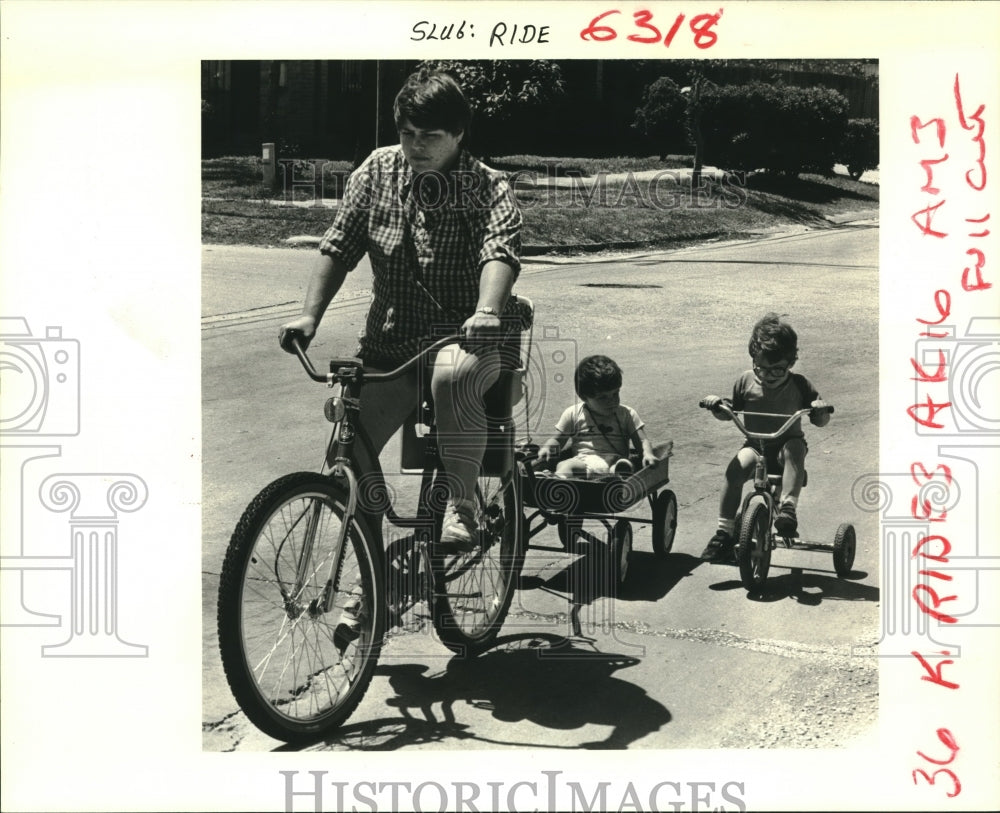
(304, 359)
(722, 406)
(355, 364)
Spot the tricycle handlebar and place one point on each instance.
(724, 407)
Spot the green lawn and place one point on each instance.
(656, 208)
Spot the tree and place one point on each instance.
(692, 119)
(661, 116)
(777, 128)
(505, 96)
(859, 149)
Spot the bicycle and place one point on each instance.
(757, 537)
(303, 600)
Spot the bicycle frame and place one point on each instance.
(762, 484)
(349, 451)
(756, 540)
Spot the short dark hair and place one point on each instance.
(596, 374)
(774, 338)
(432, 100)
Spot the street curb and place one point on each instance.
(852, 217)
(534, 250)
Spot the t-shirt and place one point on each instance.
(606, 436)
(796, 393)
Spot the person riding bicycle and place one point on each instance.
(600, 428)
(769, 387)
(443, 235)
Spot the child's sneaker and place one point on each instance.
(458, 529)
(622, 468)
(786, 522)
(719, 547)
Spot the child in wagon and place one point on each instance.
(600, 429)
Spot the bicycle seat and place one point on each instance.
(775, 479)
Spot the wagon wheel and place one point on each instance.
(621, 551)
(664, 522)
(570, 529)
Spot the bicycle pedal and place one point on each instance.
(344, 635)
(452, 549)
(457, 595)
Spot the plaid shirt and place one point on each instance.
(427, 245)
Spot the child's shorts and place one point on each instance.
(773, 454)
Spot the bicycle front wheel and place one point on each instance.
(300, 615)
(473, 590)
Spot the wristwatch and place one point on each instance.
(488, 310)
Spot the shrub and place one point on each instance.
(776, 128)
(661, 116)
(859, 149)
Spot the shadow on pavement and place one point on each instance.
(651, 578)
(806, 587)
(548, 680)
(589, 577)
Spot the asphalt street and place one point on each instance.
(665, 663)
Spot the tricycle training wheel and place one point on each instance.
(844, 546)
(621, 550)
(664, 522)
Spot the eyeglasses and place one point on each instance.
(771, 370)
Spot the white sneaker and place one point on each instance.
(622, 468)
(458, 528)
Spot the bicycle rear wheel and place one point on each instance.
(297, 669)
(473, 590)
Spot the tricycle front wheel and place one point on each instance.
(754, 552)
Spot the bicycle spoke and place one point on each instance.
(474, 589)
(283, 663)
